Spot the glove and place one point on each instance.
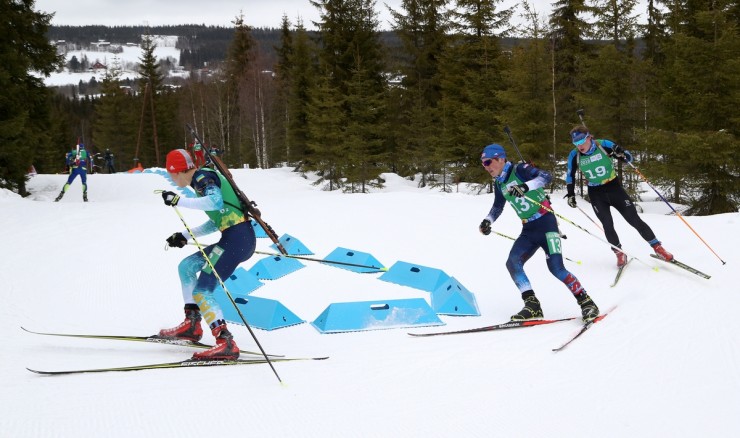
(571, 200)
(170, 198)
(485, 227)
(177, 240)
(518, 190)
(617, 151)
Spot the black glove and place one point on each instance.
(177, 240)
(485, 227)
(571, 200)
(170, 198)
(518, 190)
(617, 151)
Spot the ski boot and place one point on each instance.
(188, 330)
(225, 348)
(662, 253)
(589, 310)
(531, 310)
(621, 258)
(59, 198)
(84, 196)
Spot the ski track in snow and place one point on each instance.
(665, 363)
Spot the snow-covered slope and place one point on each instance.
(665, 363)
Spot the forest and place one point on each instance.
(349, 102)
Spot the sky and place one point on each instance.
(257, 13)
(664, 363)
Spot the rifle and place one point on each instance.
(250, 207)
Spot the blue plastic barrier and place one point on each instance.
(292, 245)
(241, 282)
(258, 231)
(261, 313)
(416, 276)
(375, 315)
(344, 255)
(452, 298)
(273, 267)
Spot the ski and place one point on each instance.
(586, 326)
(506, 325)
(151, 339)
(684, 266)
(619, 273)
(189, 363)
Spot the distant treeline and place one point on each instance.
(198, 44)
(202, 45)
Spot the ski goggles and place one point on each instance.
(579, 138)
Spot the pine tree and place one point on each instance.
(472, 69)
(698, 97)
(568, 32)
(348, 36)
(24, 110)
(150, 87)
(527, 94)
(364, 134)
(326, 149)
(115, 118)
(302, 80)
(414, 115)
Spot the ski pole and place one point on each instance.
(616, 248)
(333, 262)
(228, 294)
(580, 113)
(511, 238)
(589, 217)
(680, 216)
(310, 259)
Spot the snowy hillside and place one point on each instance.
(126, 60)
(665, 363)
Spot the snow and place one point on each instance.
(665, 363)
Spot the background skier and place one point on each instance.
(77, 161)
(594, 158)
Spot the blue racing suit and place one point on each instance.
(539, 226)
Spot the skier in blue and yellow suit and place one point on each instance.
(77, 161)
(219, 200)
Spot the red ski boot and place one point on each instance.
(662, 253)
(225, 349)
(621, 258)
(190, 329)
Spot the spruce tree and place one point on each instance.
(414, 115)
(24, 109)
(527, 94)
(115, 118)
(568, 32)
(698, 97)
(348, 43)
(472, 66)
(302, 81)
(150, 87)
